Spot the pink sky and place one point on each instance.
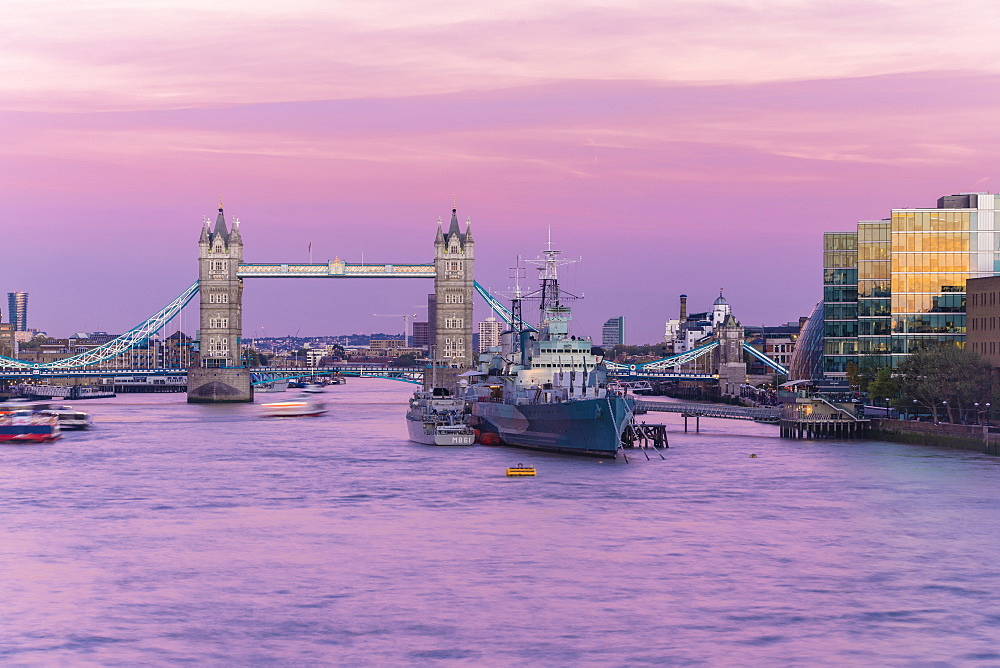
(678, 147)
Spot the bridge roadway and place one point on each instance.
(379, 370)
(710, 410)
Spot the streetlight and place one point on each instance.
(914, 408)
(945, 403)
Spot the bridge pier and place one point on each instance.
(213, 386)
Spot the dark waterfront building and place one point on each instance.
(421, 335)
(895, 285)
(776, 341)
(7, 345)
(423, 331)
(983, 313)
(17, 310)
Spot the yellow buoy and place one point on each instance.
(520, 471)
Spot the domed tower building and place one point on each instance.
(720, 310)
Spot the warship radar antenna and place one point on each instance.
(550, 296)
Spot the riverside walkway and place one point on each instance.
(710, 410)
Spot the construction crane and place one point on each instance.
(406, 324)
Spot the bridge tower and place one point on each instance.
(453, 286)
(218, 374)
(732, 369)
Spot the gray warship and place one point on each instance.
(549, 391)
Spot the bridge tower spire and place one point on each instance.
(454, 260)
(218, 374)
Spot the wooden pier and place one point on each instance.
(644, 435)
(814, 428)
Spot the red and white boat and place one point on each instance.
(28, 426)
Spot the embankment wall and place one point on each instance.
(958, 436)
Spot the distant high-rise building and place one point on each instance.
(613, 332)
(431, 323)
(17, 310)
(421, 335)
(489, 334)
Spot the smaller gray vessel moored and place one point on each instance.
(437, 418)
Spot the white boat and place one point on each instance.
(305, 405)
(436, 418)
(69, 419)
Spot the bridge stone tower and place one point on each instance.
(453, 280)
(218, 374)
(732, 368)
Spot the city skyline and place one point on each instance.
(672, 147)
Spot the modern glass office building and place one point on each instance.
(613, 332)
(17, 310)
(898, 284)
(840, 300)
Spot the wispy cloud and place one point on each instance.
(61, 55)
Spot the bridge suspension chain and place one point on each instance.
(133, 338)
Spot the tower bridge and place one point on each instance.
(218, 374)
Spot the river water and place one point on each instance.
(205, 535)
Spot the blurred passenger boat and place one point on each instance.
(25, 425)
(305, 405)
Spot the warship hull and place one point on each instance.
(591, 427)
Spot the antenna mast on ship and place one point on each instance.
(518, 330)
(550, 296)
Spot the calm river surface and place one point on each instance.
(202, 534)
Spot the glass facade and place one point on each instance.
(807, 358)
(875, 289)
(909, 273)
(840, 300)
(17, 310)
(932, 257)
